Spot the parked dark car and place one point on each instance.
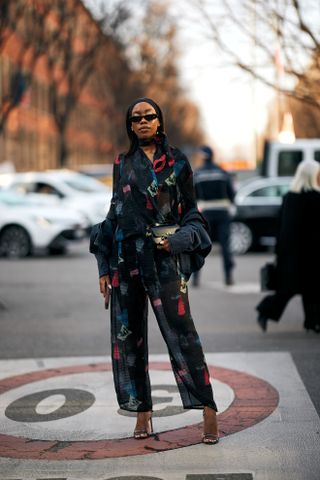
(255, 222)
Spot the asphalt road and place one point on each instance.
(51, 307)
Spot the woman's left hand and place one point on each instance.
(164, 245)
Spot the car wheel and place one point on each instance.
(240, 238)
(15, 242)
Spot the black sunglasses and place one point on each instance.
(149, 117)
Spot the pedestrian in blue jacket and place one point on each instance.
(215, 195)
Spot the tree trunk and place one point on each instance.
(63, 151)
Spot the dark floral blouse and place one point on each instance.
(145, 194)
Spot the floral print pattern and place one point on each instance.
(145, 194)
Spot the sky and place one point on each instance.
(233, 107)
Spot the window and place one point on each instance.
(42, 187)
(35, 187)
(283, 189)
(317, 155)
(271, 191)
(84, 184)
(23, 187)
(288, 162)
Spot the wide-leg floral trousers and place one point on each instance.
(139, 272)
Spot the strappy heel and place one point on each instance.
(141, 433)
(210, 438)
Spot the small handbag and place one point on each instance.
(268, 277)
(160, 232)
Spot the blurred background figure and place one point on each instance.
(297, 250)
(215, 195)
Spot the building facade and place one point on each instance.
(52, 61)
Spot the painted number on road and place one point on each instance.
(74, 401)
(26, 409)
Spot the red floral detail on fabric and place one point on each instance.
(206, 377)
(149, 205)
(159, 164)
(134, 272)
(157, 302)
(179, 208)
(115, 279)
(117, 160)
(181, 309)
(126, 188)
(116, 352)
(171, 162)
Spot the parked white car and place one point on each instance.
(26, 226)
(64, 188)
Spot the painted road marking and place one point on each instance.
(254, 400)
(285, 445)
(213, 476)
(242, 288)
(47, 407)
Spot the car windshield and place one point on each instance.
(271, 191)
(13, 198)
(84, 184)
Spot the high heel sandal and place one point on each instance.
(141, 433)
(210, 438)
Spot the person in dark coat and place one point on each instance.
(297, 250)
(215, 195)
(152, 186)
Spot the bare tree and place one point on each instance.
(273, 41)
(115, 86)
(28, 19)
(159, 75)
(63, 35)
(71, 59)
(146, 38)
(9, 15)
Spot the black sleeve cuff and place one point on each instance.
(103, 265)
(181, 241)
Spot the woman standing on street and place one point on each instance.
(153, 186)
(297, 250)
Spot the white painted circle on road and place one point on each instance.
(101, 420)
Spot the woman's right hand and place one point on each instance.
(105, 288)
